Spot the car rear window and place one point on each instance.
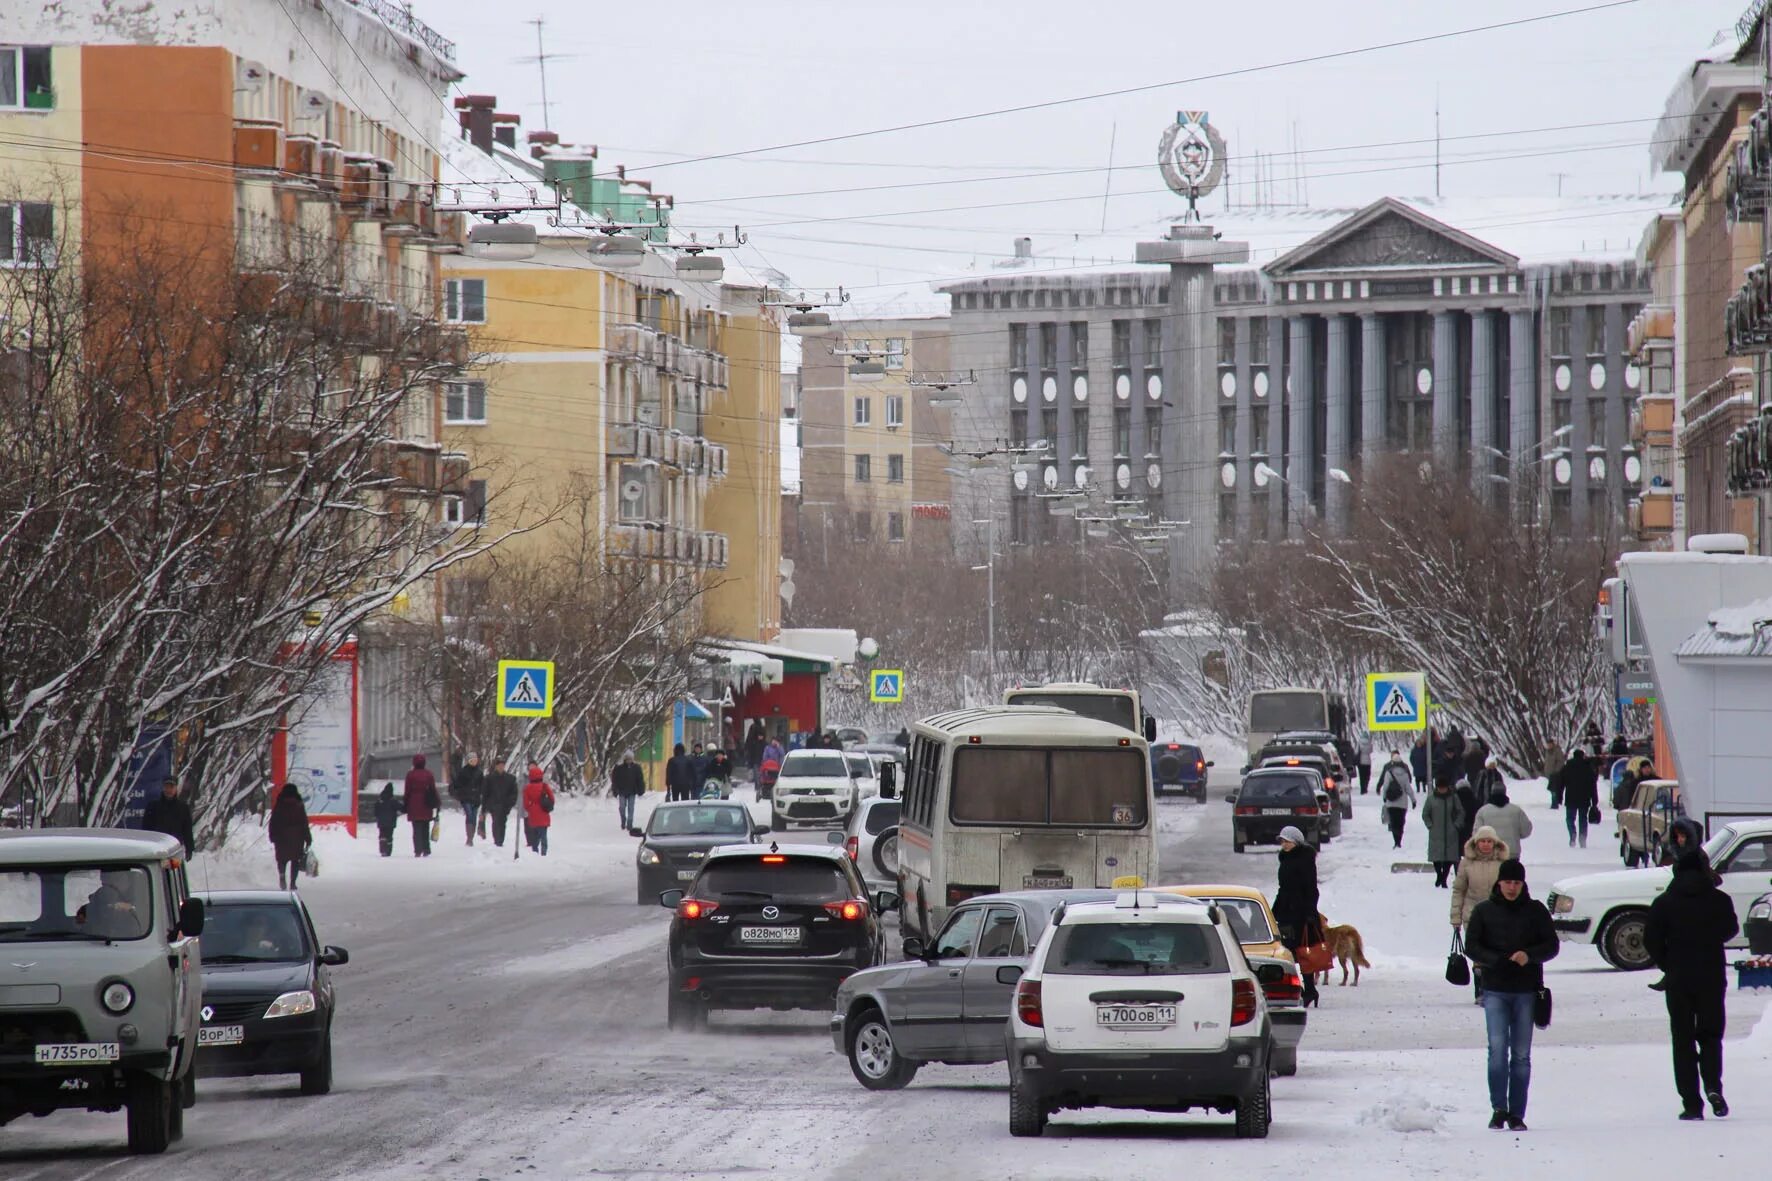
(1248, 919)
(797, 879)
(880, 818)
(1113, 708)
(1135, 949)
(1278, 789)
(711, 821)
(831, 765)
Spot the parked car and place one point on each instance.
(1179, 766)
(871, 838)
(1315, 745)
(1275, 797)
(1756, 925)
(851, 736)
(1283, 987)
(1643, 827)
(1610, 910)
(268, 997)
(679, 836)
(1251, 916)
(814, 787)
(769, 927)
(865, 773)
(1259, 934)
(98, 938)
(1147, 1002)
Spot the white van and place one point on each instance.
(1120, 706)
(1020, 797)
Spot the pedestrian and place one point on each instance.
(501, 797)
(1468, 801)
(699, 757)
(1397, 796)
(902, 739)
(538, 808)
(1487, 781)
(170, 815)
(1477, 873)
(1551, 763)
(773, 750)
(291, 837)
(1443, 816)
(468, 786)
(1580, 775)
(420, 801)
(754, 742)
(1476, 761)
(1419, 762)
(627, 783)
(1510, 822)
(1295, 903)
(1365, 762)
(1591, 737)
(1620, 748)
(1689, 926)
(1580, 796)
(387, 818)
(1683, 836)
(679, 775)
(1509, 938)
(719, 771)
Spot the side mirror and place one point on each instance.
(190, 917)
(1150, 728)
(1230, 797)
(888, 780)
(1210, 763)
(887, 900)
(1010, 974)
(670, 898)
(758, 833)
(1246, 768)
(913, 949)
(334, 956)
(835, 836)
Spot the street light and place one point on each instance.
(990, 590)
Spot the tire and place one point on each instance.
(149, 1105)
(1254, 1114)
(178, 1115)
(1625, 853)
(1285, 1062)
(886, 853)
(1236, 844)
(1621, 941)
(1653, 856)
(873, 1055)
(1027, 1114)
(776, 823)
(317, 1079)
(187, 1091)
(685, 1013)
(1200, 796)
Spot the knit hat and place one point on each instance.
(1512, 871)
(1290, 833)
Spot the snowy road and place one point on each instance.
(503, 1020)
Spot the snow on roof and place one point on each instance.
(465, 164)
(1744, 620)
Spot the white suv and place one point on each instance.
(1142, 1002)
(815, 787)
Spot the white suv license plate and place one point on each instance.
(1041, 882)
(221, 1035)
(769, 935)
(1134, 1016)
(77, 1053)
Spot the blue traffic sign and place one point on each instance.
(525, 689)
(1396, 701)
(886, 684)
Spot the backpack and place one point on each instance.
(547, 800)
(1393, 791)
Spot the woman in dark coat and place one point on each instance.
(1295, 905)
(290, 835)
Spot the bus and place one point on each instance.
(1120, 707)
(1021, 798)
(1289, 710)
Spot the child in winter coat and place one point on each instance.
(387, 818)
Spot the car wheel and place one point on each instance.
(776, 823)
(1236, 844)
(886, 853)
(177, 1114)
(1254, 1114)
(685, 1012)
(187, 1091)
(1653, 856)
(148, 1105)
(1622, 941)
(317, 1079)
(1285, 1062)
(1027, 1114)
(1625, 853)
(874, 1058)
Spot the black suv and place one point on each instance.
(1181, 766)
(770, 927)
(1271, 799)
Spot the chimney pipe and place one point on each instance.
(505, 137)
(1024, 248)
(476, 119)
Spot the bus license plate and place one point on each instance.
(1044, 882)
(774, 935)
(221, 1035)
(1134, 1016)
(77, 1053)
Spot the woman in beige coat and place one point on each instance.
(1477, 874)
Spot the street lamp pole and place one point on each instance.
(990, 585)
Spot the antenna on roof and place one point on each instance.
(1436, 142)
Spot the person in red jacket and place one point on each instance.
(421, 802)
(538, 804)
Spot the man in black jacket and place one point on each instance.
(1509, 937)
(500, 797)
(680, 776)
(627, 783)
(468, 786)
(1688, 927)
(170, 815)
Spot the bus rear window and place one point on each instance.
(1275, 713)
(1090, 787)
(1103, 707)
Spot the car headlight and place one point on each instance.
(648, 856)
(291, 1004)
(1562, 904)
(1760, 910)
(117, 997)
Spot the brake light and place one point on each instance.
(1287, 988)
(695, 908)
(1329, 782)
(1248, 811)
(851, 910)
(1292, 762)
(1242, 1002)
(1027, 1004)
(773, 859)
(1199, 764)
(1125, 742)
(853, 844)
(1313, 810)
(1175, 746)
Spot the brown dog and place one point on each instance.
(1349, 948)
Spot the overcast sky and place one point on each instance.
(1569, 102)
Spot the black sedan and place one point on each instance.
(267, 989)
(678, 838)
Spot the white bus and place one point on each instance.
(1118, 706)
(1021, 798)
(1281, 711)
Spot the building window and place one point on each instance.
(1049, 430)
(864, 468)
(1227, 512)
(1049, 346)
(1018, 428)
(894, 410)
(1153, 344)
(1123, 430)
(1122, 344)
(862, 525)
(1153, 437)
(1561, 413)
(1079, 344)
(895, 352)
(1596, 421)
(1559, 332)
(1018, 346)
(1018, 520)
(1258, 434)
(27, 234)
(464, 403)
(895, 469)
(467, 510)
(1080, 432)
(1227, 430)
(1596, 330)
(464, 301)
(1258, 341)
(1227, 341)
(894, 526)
(24, 78)
(864, 411)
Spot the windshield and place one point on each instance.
(797, 879)
(1113, 708)
(1103, 786)
(695, 821)
(1275, 713)
(74, 902)
(831, 766)
(254, 933)
(1135, 949)
(1248, 919)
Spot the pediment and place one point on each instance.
(1386, 235)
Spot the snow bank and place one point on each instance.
(1403, 1112)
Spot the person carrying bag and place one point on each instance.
(1458, 969)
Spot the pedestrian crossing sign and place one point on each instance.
(1396, 701)
(525, 689)
(886, 684)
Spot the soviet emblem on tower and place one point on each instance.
(1192, 158)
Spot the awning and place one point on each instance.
(695, 711)
(1733, 633)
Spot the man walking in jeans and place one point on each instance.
(1509, 938)
(1689, 925)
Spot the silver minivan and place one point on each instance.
(100, 978)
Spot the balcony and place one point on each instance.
(633, 342)
(1749, 452)
(1748, 186)
(1652, 514)
(1652, 421)
(635, 539)
(411, 468)
(1748, 315)
(1655, 323)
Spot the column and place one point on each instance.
(1276, 424)
(1522, 392)
(1336, 443)
(1445, 387)
(1372, 400)
(1190, 423)
(1245, 419)
(1061, 372)
(1483, 399)
(1300, 446)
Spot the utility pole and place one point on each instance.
(990, 590)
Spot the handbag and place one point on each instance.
(436, 829)
(1593, 813)
(1313, 954)
(310, 863)
(1458, 969)
(1541, 1008)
